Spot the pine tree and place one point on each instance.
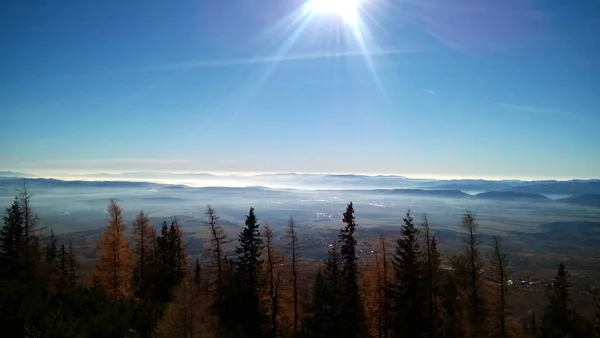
(353, 318)
(318, 312)
(557, 318)
(63, 266)
(499, 270)
(409, 288)
(293, 246)
(51, 249)
(114, 267)
(144, 239)
(31, 246)
(324, 311)
(432, 278)
(171, 265)
(12, 241)
(247, 276)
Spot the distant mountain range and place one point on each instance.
(396, 184)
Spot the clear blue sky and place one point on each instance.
(453, 88)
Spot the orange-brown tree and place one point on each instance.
(114, 268)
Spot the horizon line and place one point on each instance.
(109, 174)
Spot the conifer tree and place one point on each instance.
(324, 318)
(247, 277)
(352, 312)
(409, 288)
(317, 321)
(293, 246)
(114, 267)
(557, 318)
(144, 239)
(12, 241)
(31, 246)
(73, 265)
(51, 249)
(171, 265)
(63, 266)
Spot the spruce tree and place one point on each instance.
(63, 266)
(170, 262)
(31, 246)
(557, 317)
(248, 266)
(73, 265)
(11, 241)
(143, 240)
(318, 313)
(324, 318)
(409, 288)
(352, 312)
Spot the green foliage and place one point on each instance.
(409, 287)
(12, 241)
(247, 268)
(560, 319)
(170, 263)
(352, 312)
(325, 315)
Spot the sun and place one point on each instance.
(345, 9)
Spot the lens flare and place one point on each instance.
(345, 9)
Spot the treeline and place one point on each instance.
(145, 285)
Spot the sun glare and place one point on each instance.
(345, 9)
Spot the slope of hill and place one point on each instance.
(592, 200)
(574, 187)
(512, 196)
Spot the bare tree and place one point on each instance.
(218, 240)
(293, 242)
(472, 241)
(432, 261)
(383, 290)
(499, 267)
(274, 275)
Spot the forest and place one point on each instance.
(145, 284)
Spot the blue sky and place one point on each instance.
(453, 88)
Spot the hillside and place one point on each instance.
(512, 196)
(592, 200)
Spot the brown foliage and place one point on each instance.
(114, 268)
